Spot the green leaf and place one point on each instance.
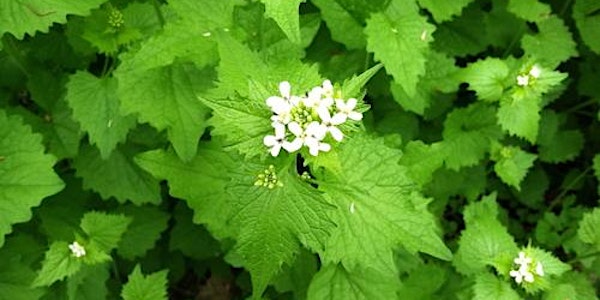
(589, 228)
(104, 230)
(200, 182)
(89, 283)
(118, 176)
(20, 18)
(285, 13)
(512, 164)
(26, 173)
(558, 145)
(58, 263)
(167, 98)
(520, 117)
(530, 10)
(552, 45)
(422, 160)
(281, 219)
(379, 209)
(444, 10)
(344, 28)
(424, 282)
(145, 287)
(487, 78)
(439, 78)
(596, 166)
(191, 239)
(490, 287)
(468, 182)
(587, 19)
(400, 39)
(96, 107)
(485, 240)
(15, 280)
(335, 282)
(463, 35)
(467, 134)
(352, 87)
(143, 232)
(297, 277)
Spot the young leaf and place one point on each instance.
(400, 39)
(167, 98)
(520, 116)
(96, 107)
(89, 283)
(285, 13)
(104, 230)
(488, 286)
(485, 240)
(422, 160)
(20, 18)
(589, 228)
(467, 134)
(587, 19)
(274, 221)
(512, 164)
(530, 10)
(379, 209)
(444, 10)
(58, 263)
(487, 78)
(26, 173)
(455, 38)
(344, 28)
(146, 287)
(335, 282)
(148, 222)
(118, 176)
(557, 145)
(552, 45)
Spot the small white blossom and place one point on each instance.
(330, 123)
(539, 269)
(76, 249)
(535, 71)
(276, 142)
(524, 270)
(522, 259)
(523, 80)
(346, 109)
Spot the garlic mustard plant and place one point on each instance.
(526, 79)
(308, 120)
(76, 249)
(526, 271)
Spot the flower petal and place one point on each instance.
(324, 114)
(324, 147)
(270, 140)
(279, 130)
(295, 128)
(354, 115)
(336, 133)
(338, 118)
(275, 150)
(293, 146)
(285, 89)
(351, 104)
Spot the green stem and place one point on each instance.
(159, 15)
(11, 49)
(579, 258)
(558, 198)
(564, 8)
(116, 271)
(581, 105)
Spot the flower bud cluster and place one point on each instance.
(115, 19)
(268, 178)
(526, 79)
(525, 270)
(307, 120)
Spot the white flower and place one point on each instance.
(539, 269)
(346, 109)
(327, 89)
(313, 99)
(535, 71)
(310, 137)
(276, 142)
(330, 123)
(523, 80)
(522, 259)
(76, 249)
(517, 275)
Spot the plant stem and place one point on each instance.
(562, 194)
(579, 258)
(564, 8)
(581, 105)
(159, 15)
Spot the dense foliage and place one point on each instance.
(299, 149)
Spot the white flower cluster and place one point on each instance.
(307, 120)
(534, 73)
(525, 271)
(76, 249)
